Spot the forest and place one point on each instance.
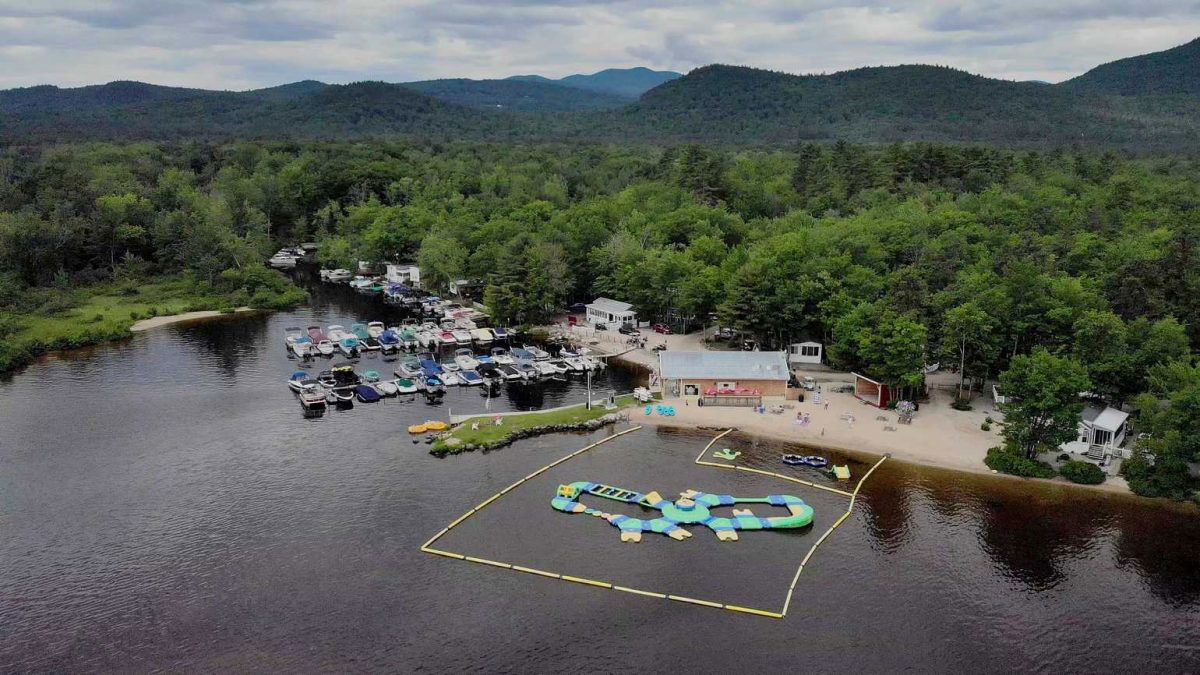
(1054, 271)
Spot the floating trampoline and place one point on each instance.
(692, 508)
(726, 453)
(417, 429)
(435, 426)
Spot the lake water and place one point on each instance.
(164, 505)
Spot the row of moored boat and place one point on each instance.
(376, 336)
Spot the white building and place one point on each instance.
(1101, 433)
(610, 313)
(404, 273)
(805, 352)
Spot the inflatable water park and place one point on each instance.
(692, 508)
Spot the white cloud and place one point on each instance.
(235, 44)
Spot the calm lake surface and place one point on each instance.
(165, 506)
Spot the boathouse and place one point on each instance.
(724, 378)
(610, 313)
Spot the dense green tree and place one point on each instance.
(1044, 404)
(968, 332)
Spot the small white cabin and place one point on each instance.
(805, 352)
(1101, 432)
(404, 273)
(610, 313)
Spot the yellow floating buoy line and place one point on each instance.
(427, 547)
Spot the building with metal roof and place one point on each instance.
(610, 313)
(724, 378)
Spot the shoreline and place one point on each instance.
(767, 426)
(160, 321)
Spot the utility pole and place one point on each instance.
(589, 388)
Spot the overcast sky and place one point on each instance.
(240, 44)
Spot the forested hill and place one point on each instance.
(628, 83)
(717, 104)
(1174, 71)
(517, 95)
(868, 104)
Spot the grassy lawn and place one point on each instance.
(93, 315)
(490, 433)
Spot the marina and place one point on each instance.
(232, 498)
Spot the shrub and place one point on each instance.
(986, 426)
(97, 318)
(1078, 471)
(153, 311)
(1063, 457)
(961, 404)
(1011, 461)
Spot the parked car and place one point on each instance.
(659, 348)
(628, 329)
(577, 308)
(661, 328)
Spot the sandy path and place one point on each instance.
(159, 321)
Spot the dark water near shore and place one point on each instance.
(164, 506)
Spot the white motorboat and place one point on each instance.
(339, 275)
(501, 355)
(465, 359)
(470, 378)
(337, 333)
(303, 346)
(544, 368)
(462, 336)
(575, 364)
(291, 334)
(386, 388)
(509, 372)
(560, 366)
(449, 379)
(538, 354)
(301, 381)
(405, 385)
(483, 336)
(375, 329)
(325, 348)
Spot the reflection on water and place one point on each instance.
(165, 505)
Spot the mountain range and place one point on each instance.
(1148, 102)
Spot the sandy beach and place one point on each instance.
(939, 435)
(159, 321)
